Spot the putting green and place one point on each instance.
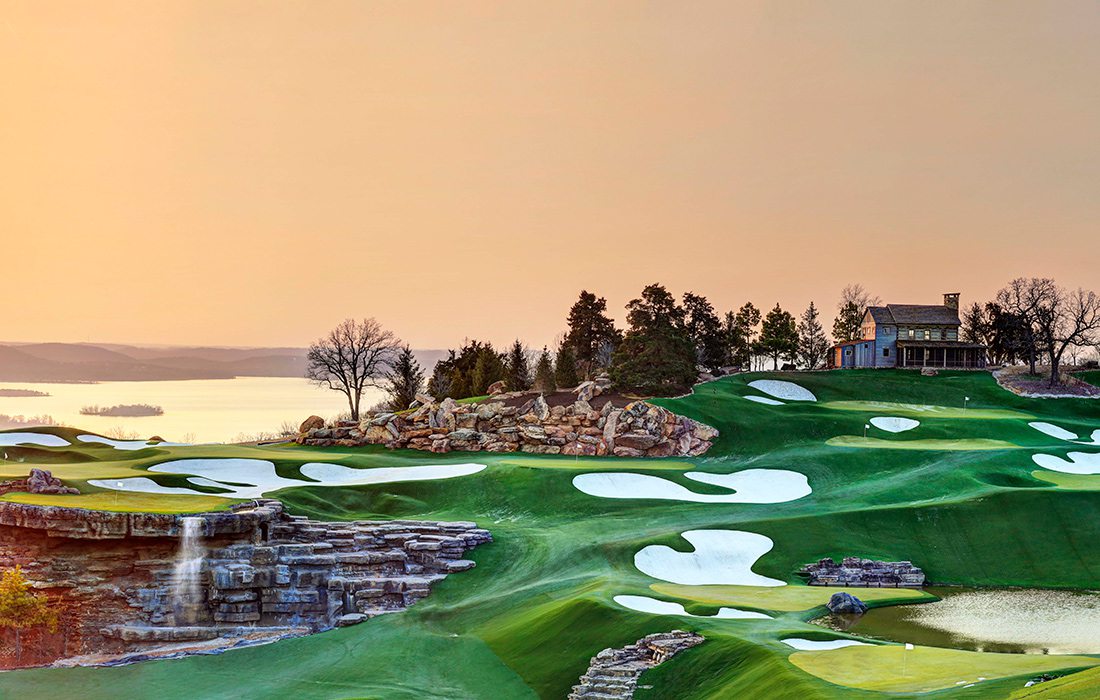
(784, 598)
(919, 411)
(962, 444)
(124, 502)
(1071, 482)
(597, 464)
(892, 669)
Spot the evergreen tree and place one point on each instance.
(656, 355)
(778, 336)
(813, 346)
(517, 373)
(705, 330)
(544, 373)
(488, 369)
(565, 367)
(590, 332)
(404, 380)
(740, 331)
(847, 324)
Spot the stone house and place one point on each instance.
(910, 335)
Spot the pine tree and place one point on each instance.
(813, 346)
(404, 380)
(565, 368)
(591, 332)
(544, 373)
(517, 373)
(656, 355)
(488, 369)
(740, 330)
(705, 329)
(847, 324)
(778, 336)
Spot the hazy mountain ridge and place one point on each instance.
(91, 362)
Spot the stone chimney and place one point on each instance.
(951, 300)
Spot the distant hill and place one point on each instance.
(94, 362)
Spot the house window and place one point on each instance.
(934, 334)
(912, 334)
(952, 334)
(886, 352)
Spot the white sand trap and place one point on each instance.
(41, 439)
(814, 645)
(788, 391)
(653, 606)
(252, 478)
(765, 400)
(126, 444)
(1062, 434)
(720, 557)
(1078, 462)
(749, 486)
(892, 424)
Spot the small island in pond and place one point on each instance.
(20, 393)
(135, 410)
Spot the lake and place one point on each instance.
(1013, 620)
(201, 410)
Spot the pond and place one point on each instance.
(1013, 620)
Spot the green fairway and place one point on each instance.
(959, 495)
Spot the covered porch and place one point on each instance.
(945, 354)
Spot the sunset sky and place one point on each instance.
(250, 173)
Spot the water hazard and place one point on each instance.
(1022, 621)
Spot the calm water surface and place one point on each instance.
(203, 410)
(1029, 621)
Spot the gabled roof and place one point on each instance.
(919, 314)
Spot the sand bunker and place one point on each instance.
(749, 486)
(893, 424)
(815, 645)
(653, 606)
(1078, 462)
(1062, 434)
(126, 444)
(41, 439)
(788, 391)
(765, 400)
(251, 478)
(720, 557)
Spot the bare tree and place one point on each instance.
(353, 356)
(1073, 318)
(1031, 301)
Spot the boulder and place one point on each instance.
(424, 399)
(846, 604)
(636, 441)
(928, 372)
(539, 408)
(350, 619)
(311, 423)
(497, 387)
(586, 391)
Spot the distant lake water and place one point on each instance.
(203, 410)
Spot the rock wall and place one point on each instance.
(613, 673)
(639, 429)
(863, 573)
(112, 575)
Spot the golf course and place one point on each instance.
(975, 485)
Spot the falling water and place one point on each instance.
(186, 582)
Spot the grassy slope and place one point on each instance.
(526, 620)
(1091, 376)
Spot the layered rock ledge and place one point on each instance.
(639, 429)
(264, 574)
(613, 673)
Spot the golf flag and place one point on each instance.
(908, 646)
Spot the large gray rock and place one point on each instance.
(846, 604)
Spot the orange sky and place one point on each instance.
(250, 173)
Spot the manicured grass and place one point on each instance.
(783, 599)
(904, 444)
(1091, 376)
(539, 604)
(1073, 482)
(893, 669)
(124, 502)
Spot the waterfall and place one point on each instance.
(186, 579)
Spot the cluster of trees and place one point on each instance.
(21, 608)
(1031, 319)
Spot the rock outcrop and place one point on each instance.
(613, 673)
(265, 572)
(863, 573)
(39, 481)
(639, 429)
(846, 604)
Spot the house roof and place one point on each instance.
(919, 314)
